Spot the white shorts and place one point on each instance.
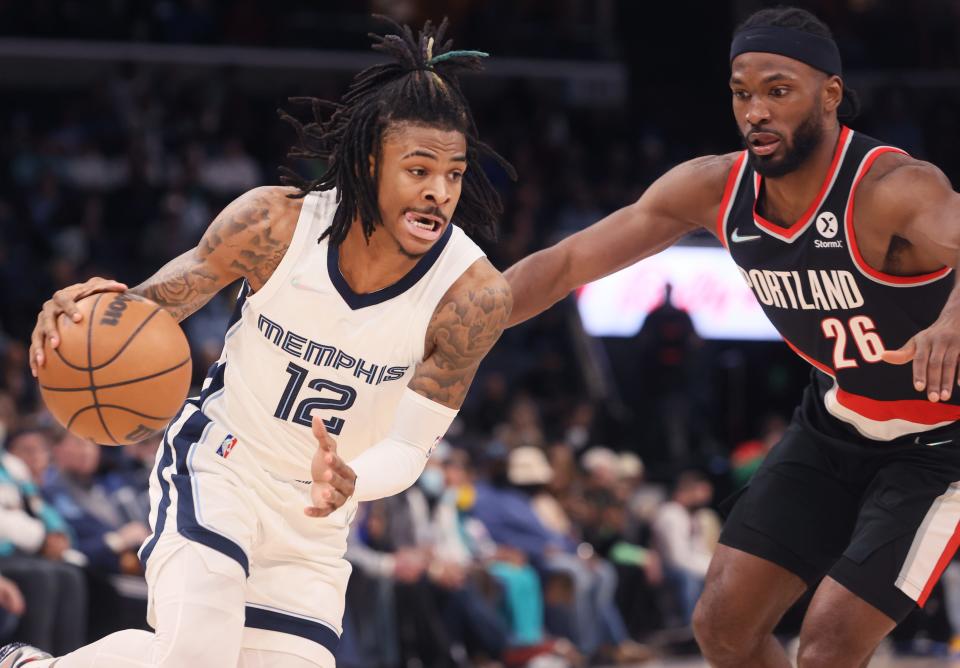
(207, 487)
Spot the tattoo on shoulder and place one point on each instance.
(462, 331)
(240, 243)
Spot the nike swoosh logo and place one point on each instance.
(297, 283)
(737, 238)
(918, 442)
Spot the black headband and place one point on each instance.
(818, 52)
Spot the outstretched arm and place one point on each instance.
(247, 240)
(682, 200)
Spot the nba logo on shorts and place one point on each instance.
(226, 446)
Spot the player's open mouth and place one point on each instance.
(763, 143)
(423, 225)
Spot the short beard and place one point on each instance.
(806, 139)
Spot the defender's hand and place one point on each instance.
(934, 352)
(63, 301)
(333, 480)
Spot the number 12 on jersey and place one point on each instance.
(862, 331)
(302, 414)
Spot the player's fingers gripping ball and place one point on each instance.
(120, 373)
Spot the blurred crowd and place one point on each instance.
(557, 524)
(503, 553)
(872, 33)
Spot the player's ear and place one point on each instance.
(832, 93)
(372, 161)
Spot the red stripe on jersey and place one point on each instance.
(919, 411)
(855, 250)
(820, 365)
(727, 196)
(941, 566)
(797, 227)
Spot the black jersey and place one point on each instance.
(833, 309)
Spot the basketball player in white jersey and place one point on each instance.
(363, 315)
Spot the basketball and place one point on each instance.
(120, 373)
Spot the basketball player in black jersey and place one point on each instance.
(859, 498)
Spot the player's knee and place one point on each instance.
(723, 638)
(818, 652)
(827, 642)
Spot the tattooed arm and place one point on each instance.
(247, 240)
(463, 329)
(465, 325)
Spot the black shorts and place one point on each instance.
(879, 518)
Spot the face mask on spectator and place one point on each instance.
(431, 482)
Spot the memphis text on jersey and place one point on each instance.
(320, 354)
(812, 289)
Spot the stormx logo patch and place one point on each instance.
(226, 446)
(828, 226)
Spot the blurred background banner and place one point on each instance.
(705, 283)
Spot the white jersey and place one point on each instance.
(233, 472)
(305, 343)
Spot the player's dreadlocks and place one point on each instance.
(419, 86)
(801, 19)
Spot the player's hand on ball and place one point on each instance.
(64, 301)
(333, 480)
(935, 352)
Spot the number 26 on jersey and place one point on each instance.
(862, 330)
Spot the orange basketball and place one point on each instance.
(120, 373)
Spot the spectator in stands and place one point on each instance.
(97, 507)
(505, 508)
(685, 532)
(523, 425)
(748, 455)
(34, 549)
(231, 172)
(609, 525)
(462, 538)
(438, 606)
(138, 460)
(31, 445)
